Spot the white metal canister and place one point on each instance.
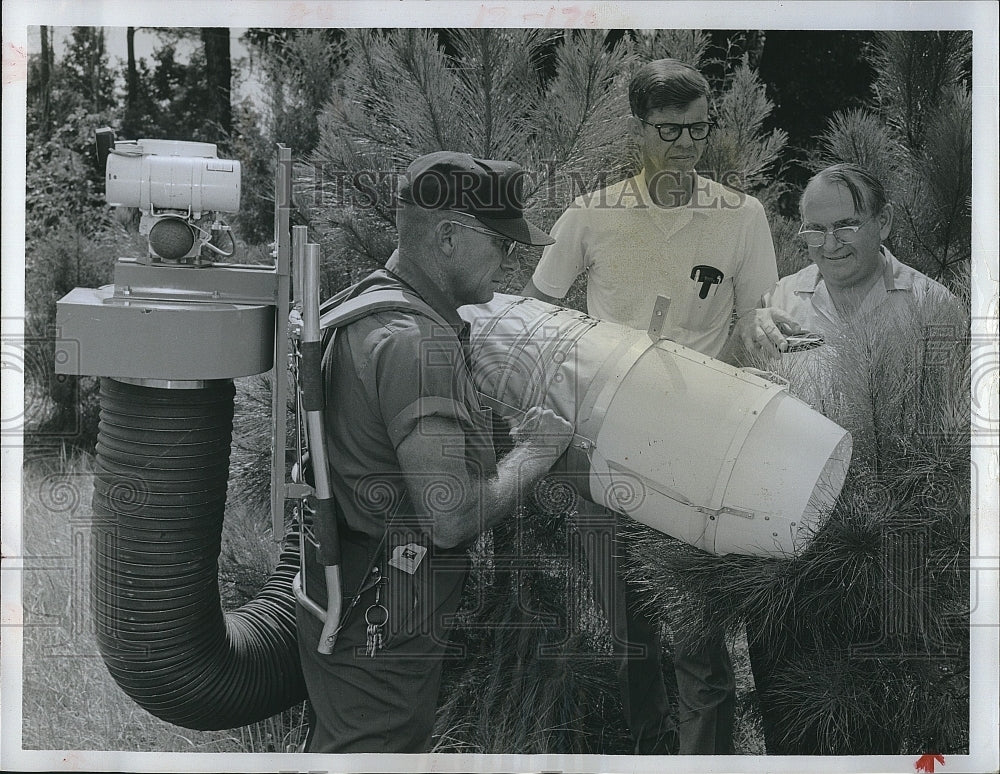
(710, 454)
(172, 175)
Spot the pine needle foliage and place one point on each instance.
(530, 679)
(579, 119)
(877, 605)
(918, 139)
(492, 71)
(403, 95)
(936, 211)
(860, 137)
(740, 153)
(688, 46)
(916, 73)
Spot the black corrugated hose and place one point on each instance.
(159, 497)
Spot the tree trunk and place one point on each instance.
(219, 78)
(97, 98)
(130, 123)
(45, 86)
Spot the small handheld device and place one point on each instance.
(802, 342)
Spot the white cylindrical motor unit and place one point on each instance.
(172, 175)
(710, 454)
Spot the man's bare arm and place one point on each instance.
(530, 291)
(461, 505)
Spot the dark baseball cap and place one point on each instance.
(488, 189)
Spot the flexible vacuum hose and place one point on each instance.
(159, 497)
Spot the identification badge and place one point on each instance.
(408, 557)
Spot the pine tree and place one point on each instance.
(918, 138)
(299, 69)
(87, 74)
(878, 604)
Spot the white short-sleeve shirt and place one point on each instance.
(634, 251)
(806, 298)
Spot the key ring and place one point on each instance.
(384, 614)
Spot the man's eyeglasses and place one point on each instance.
(843, 234)
(699, 130)
(507, 245)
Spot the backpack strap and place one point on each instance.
(337, 315)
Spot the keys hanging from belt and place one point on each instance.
(376, 617)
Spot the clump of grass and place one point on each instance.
(537, 674)
(527, 686)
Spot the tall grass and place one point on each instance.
(539, 678)
(538, 674)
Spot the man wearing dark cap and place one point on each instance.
(412, 465)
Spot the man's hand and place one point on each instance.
(544, 429)
(763, 331)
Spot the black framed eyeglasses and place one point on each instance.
(699, 130)
(843, 234)
(507, 245)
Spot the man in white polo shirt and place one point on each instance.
(667, 231)
(649, 234)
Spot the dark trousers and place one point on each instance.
(385, 703)
(705, 681)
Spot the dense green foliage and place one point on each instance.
(300, 69)
(69, 236)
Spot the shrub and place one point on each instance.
(62, 257)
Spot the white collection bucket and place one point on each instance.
(710, 454)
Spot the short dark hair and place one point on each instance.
(665, 83)
(867, 191)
